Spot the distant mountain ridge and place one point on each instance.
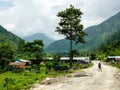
(8, 37)
(96, 36)
(39, 36)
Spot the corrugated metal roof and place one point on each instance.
(113, 56)
(17, 63)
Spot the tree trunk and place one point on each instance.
(71, 54)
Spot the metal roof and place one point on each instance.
(17, 63)
(113, 56)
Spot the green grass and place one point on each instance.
(19, 80)
(24, 80)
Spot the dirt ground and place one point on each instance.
(88, 79)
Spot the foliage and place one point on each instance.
(111, 48)
(93, 56)
(70, 27)
(30, 50)
(21, 48)
(83, 66)
(52, 63)
(6, 55)
(34, 48)
(19, 81)
(70, 24)
(115, 64)
(48, 65)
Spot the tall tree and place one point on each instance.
(70, 26)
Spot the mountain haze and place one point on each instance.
(39, 36)
(97, 35)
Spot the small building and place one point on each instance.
(76, 59)
(20, 64)
(25, 61)
(113, 59)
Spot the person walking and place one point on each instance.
(99, 67)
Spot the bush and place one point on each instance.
(8, 83)
(115, 64)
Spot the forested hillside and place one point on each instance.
(97, 35)
(112, 46)
(8, 37)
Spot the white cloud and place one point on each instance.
(26, 17)
(9, 26)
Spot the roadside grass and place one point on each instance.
(24, 80)
(115, 64)
(18, 81)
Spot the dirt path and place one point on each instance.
(93, 80)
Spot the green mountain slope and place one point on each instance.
(97, 35)
(112, 47)
(8, 37)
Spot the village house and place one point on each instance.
(113, 59)
(20, 64)
(75, 59)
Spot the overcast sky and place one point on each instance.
(26, 17)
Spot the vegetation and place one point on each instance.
(109, 48)
(70, 27)
(23, 80)
(115, 64)
(112, 48)
(6, 55)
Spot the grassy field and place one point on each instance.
(24, 80)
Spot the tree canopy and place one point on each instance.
(69, 24)
(70, 27)
(6, 55)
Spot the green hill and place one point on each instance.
(8, 37)
(97, 35)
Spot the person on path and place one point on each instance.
(99, 67)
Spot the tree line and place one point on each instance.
(27, 50)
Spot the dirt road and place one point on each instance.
(93, 80)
